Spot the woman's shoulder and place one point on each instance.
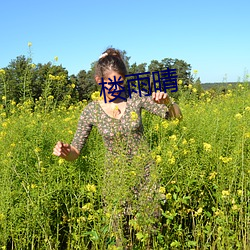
(90, 107)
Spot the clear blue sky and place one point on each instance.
(212, 36)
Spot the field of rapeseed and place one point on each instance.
(203, 162)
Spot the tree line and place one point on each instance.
(22, 79)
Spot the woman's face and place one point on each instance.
(111, 77)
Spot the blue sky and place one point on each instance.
(212, 36)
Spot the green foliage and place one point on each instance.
(202, 162)
(25, 80)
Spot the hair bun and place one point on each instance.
(113, 52)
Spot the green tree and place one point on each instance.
(52, 80)
(18, 79)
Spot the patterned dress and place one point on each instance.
(128, 128)
(129, 183)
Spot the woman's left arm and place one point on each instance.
(161, 104)
(173, 108)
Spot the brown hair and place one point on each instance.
(111, 59)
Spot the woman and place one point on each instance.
(119, 121)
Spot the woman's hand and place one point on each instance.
(66, 151)
(61, 149)
(161, 98)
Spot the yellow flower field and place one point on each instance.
(201, 164)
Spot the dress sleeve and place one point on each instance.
(155, 108)
(83, 129)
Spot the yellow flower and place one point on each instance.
(91, 188)
(184, 141)
(238, 116)
(108, 215)
(194, 90)
(51, 77)
(4, 124)
(247, 135)
(164, 124)
(95, 96)
(191, 140)
(212, 175)
(190, 86)
(133, 173)
(162, 190)
(207, 147)
(33, 66)
(225, 159)
(225, 193)
(171, 160)
(218, 212)
(168, 196)
(50, 97)
(235, 207)
(133, 116)
(247, 108)
(37, 150)
(156, 127)
(179, 82)
(2, 217)
(158, 159)
(73, 85)
(56, 58)
(195, 71)
(90, 217)
(61, 161)
(87, 207)
(173, 137)
(33, 186)
(239, 192)
(175, 122)
(198, 212)
(2, 72)
(29, 44)
(3, 97)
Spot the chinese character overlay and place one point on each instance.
(103, 89)
(115, 88)
(169, 79)
(166, 77)
(139, 82)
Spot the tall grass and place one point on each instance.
(203, 163)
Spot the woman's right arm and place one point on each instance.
(70, 152)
